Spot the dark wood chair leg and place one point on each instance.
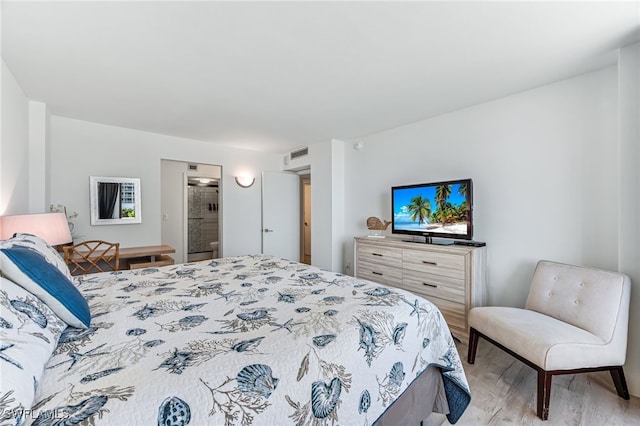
(473, 345)
(617, 374)
(544, 393)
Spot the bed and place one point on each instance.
(250, 340)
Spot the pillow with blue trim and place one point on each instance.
(28, 268)
(29, 332)
(33, 241)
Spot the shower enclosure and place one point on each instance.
(202, 221)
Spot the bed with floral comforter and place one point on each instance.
(244, 341)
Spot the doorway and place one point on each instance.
(191, 228)
(305, 216)
(203, 205)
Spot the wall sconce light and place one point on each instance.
(245, 181)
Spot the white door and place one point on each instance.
(281, 215)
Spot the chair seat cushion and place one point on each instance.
(545, 341)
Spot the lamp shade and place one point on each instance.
(51, 227)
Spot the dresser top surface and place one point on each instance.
(414, 245)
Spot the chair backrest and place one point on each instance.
(592, 299)
(92, 256)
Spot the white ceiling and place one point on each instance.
(275, 76)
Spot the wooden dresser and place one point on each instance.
(451, 277)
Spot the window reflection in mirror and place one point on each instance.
(115, 200)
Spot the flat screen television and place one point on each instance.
(437, 209)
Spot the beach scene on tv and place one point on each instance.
(437, 209)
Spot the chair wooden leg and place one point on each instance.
(617, 374)
(544, 393)
(473, 345)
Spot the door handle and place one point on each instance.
(267, 230)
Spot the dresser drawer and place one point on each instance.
(441, 286)
(454, 315)
(447, 264)
(379, 255)
(380, 273)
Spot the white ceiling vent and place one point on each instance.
(299, 153)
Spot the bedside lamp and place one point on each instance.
(51, 227)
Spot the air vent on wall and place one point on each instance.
(193, 167)
(299, 153)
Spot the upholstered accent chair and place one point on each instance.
(575, 320)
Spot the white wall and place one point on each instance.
(39, 157)
(337, 204)
(629, 247)
(80, 149)
(245, 218)
(14, 146)
(542, 164)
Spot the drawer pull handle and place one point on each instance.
(430, 285)
(430, 263)
(376, 273)
(376, 254)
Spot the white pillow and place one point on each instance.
(29, 333)
(30, 269)
(51, 255)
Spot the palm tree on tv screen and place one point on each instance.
(447, 214)
(462, 189)
(420, 209)
(442, 193)
(462, 208)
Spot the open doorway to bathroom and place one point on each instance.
(192, 211)
(203, 206)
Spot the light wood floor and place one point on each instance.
(503, 392)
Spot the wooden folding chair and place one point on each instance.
(83, 258)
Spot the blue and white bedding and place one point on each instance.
(252, 340)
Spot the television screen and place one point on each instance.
(438, 209)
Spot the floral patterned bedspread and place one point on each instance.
(243, 341)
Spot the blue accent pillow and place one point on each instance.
(29, 269)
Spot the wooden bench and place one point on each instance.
(142, 257)
(146, 256)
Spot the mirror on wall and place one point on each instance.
(115, 200)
